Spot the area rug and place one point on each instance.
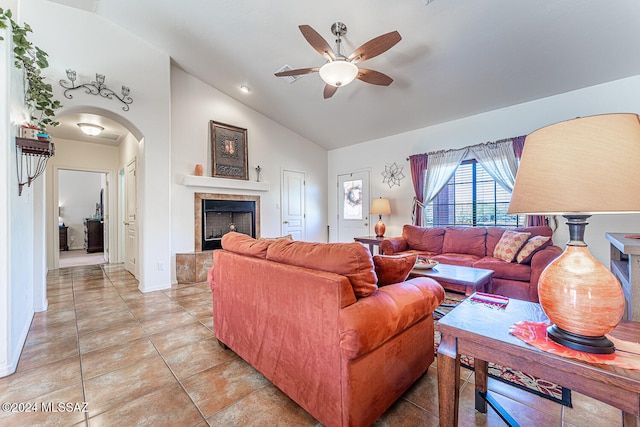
(518, 379)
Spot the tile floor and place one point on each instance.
(152, 359)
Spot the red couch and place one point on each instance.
(474, 247)
(292, 311)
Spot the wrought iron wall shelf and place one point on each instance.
(31, 159)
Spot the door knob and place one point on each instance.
(285, 222)
(126, 222)
(366, 224)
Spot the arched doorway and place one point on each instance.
(107, 152)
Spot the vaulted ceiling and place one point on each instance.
(457, 57)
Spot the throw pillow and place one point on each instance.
(509, 245)
(532, 246)
(393, 268)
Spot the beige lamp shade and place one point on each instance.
(380, 206)
(586, 165)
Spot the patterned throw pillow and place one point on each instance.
(509, 245)
(532, 246)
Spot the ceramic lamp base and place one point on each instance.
(596, 345)
(380, 228)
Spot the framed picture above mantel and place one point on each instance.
(229, 151)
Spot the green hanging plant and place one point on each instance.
(38, 93)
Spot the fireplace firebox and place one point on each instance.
(222, 216)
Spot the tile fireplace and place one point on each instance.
(218, 214)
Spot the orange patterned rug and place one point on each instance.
(507, 375)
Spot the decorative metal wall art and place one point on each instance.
(96, 87)
(229, 151)
(392, 174)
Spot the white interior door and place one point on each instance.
(353, 205)
(106, 221)
(293, 209)
(130, 220)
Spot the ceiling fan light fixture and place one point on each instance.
(90, 129)
(338, 73)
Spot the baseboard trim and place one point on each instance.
(12, 364)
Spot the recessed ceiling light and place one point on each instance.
(245, 88)
(90, 129)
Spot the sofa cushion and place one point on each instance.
(505, 270)
(509, 245)
(393, 268)
(532, 246)
(464, 260)
(352, 260)
(424, 239)
(370, 322)
(245, 245)
(468, 240)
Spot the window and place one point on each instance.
(473, 198)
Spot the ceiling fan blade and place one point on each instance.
(374, 77)
(329, 91)
(317, 42)
(375, 47)
(297, 72)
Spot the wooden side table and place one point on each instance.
(371, 241)
(625, 265)
(483, 333)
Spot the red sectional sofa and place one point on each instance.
(312, 318)
(474, 247)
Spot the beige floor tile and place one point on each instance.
(48, 352)
(167, 321)
(231, 381)
(116, 357)
(171, 339)
(267, 406)
(102, 338)
(47, 412)
(30, 384)
(590, 412)
(109, 319)
(116, 388)
(193, 358)
(168, 406)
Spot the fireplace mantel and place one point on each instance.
(235, 184)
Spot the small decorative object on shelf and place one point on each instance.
(392, 174)
(258, 170)
(198, 170)
(96, 87)
(31, 159)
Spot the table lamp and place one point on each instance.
(380, 207)
(577, 168)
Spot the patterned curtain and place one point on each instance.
(418, 164)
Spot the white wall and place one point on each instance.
(522, 119)
(78, 193)
(90, 44)
(21, 250)
(270, 145)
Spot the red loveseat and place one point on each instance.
(474, 247)
(292, 311)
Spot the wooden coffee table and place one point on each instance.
(457, 278)
(483, 333)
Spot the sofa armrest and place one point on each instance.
(393, 245)
(373, 320)
(539, 262)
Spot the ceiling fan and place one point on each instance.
(340, 70)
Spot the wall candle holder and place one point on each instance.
(31, 159)
(96, 87)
